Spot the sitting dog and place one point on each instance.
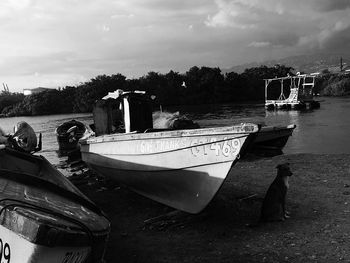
(273, 207)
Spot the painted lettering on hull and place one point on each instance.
(225, 147)
(161, 145)
(199, 146)
(5, 252)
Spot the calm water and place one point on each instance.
(46, 125)
(325, 130)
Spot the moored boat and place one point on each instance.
(68, 135)
(272, 139)
(183, 169)
(296, 93)
(43, 216)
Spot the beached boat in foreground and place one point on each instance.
(43, 216)
(68, 135)
(272, 139)
(180, 168)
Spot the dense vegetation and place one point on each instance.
(203, 85)
(334, 85)
(8, 99)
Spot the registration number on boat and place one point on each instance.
(5, 252)
(223, 147)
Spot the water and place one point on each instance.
(46, 125)
(324, 130)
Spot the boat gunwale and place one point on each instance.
(168, 151)
(133, 136)
(289, 127)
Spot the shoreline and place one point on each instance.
(318, 199)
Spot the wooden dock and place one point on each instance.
(296, 92)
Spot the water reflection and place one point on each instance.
(284, 118)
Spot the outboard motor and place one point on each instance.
(24, 138)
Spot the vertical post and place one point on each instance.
(282, 92)
(127, 121)
(341, 64)
(281, 97)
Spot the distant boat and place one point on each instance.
(272, 139)
(68, 135)
(183, 169)
(43, 216)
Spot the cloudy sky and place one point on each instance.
(52, 43)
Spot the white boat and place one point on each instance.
(183, 169)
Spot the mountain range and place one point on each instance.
(303, 63)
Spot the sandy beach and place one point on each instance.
(318, 230)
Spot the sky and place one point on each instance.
(54, 43)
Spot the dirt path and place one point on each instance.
(318, 230)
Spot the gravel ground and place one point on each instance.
(318, 230)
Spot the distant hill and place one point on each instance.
(304, 63)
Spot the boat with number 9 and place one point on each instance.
(183, 169)
(43, 216)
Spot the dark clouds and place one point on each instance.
(300, 25)
(331, 5)
(339, 41)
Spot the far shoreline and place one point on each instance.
(184, 106)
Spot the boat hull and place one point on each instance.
(43, 216)
(181, 169)
(273, 138)
(17, 249)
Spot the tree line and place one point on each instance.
(199, 85)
